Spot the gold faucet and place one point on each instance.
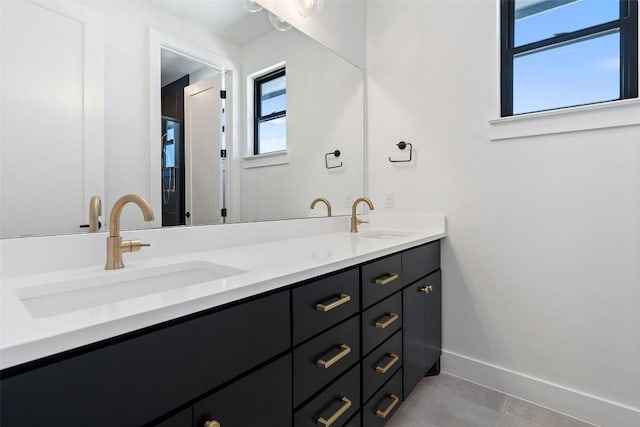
(355, 221)
(95, 210)
(323, 200)
(115, 245)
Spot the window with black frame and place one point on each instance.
(270, 112)
(565, 53)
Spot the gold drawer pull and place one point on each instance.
(394, 401)
(426, 289)
(344, 351)
(211, 424)
(392, 318)
(387, 278)
(383, 369)
(346, 404)
(344, 298)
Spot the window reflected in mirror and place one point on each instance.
(270, 130)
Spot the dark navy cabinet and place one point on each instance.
(341, 350)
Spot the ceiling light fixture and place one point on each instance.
(279, 23)
(251, 6)
(309, 7)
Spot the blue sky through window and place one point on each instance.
(578, 73)
(273, 133)
(564, 19)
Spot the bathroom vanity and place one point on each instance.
(341, 348)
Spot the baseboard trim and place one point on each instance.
(592, 409)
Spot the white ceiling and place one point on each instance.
(226, 19)
(175, 66)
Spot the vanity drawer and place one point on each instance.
(384, 403)
(181, 419)
(341, 400)
(355, 421)
(262, 398)
(320, 360)
(381, 364)
(132, 382)
(381, 321)
(420, 261)
(323, 303)
(381, 278)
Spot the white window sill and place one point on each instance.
(267, 159)
(575, 119)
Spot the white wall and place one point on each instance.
(541, 267)
(324, 113)
(340, 25)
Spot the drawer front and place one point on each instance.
(384, 403)
(381, 364)
(161, 370)
(181, 419)
(355, 421)
(381, 321)
(381, 278)
(420, 261)
(323, 303)
(322, 359)
(262, 398)
(341, 400)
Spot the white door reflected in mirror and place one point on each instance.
(203, 142)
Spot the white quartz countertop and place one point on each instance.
(268, 265)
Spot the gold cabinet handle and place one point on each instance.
(383, 324)
(344, 351)
(394, 401)
(211, 424)
(387, 278)
(327, 422)
(344, 298)
(426, 289)
(383, 369)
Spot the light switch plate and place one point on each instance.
(389, 200)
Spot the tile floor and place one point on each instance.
(447, 401)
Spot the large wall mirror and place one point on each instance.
(164, 98)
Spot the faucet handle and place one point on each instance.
(362, 222)
(133, 245)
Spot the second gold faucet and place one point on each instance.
(354, 220)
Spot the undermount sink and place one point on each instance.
(384, 235)
(50, 299)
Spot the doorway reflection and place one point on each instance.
(193, 137)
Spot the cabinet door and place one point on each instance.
(132, 382)
(262, 398)
(422, 328)
(433, 319)
(181, 419)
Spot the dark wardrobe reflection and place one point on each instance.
(173, 189)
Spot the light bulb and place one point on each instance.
(309, 7)
(251, 6)
(279, 23)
